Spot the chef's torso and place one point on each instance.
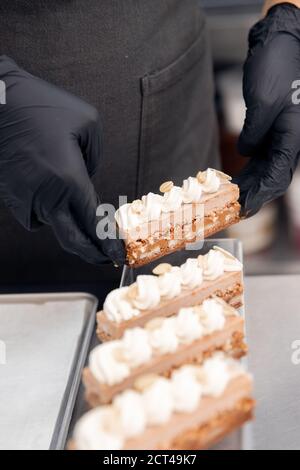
(146, 66)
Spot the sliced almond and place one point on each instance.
(224, 252)
(132, 292)
(137, 206)
(201, 260)
(223, 175)
(166, 187)
(145, 381)
(199, 374)
(118, 354)
(198, 309)
(201, 176)
(154, 323)
(162, 268)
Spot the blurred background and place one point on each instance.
(271, 239)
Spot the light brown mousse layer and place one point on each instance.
(230, 340)
(229, 287)
(165, 236)
(214, 419)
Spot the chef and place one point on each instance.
(105, 98)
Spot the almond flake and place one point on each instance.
(201, 176)
(145, 381)
(224, 252)
(132, 292)
(154, 323)
(166, 187)
(162, 268)
(137, 206)
(223, 175)
(118, 354)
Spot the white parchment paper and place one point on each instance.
(40, 341)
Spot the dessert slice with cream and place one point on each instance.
(161, 346)
(160, 224)
(192, 409)
(171, 288)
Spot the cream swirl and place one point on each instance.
(130, 413)
(105, 366)
(127, 218)
(164, 339)
(215, 376)
(188, 326)
(212, 181)
(158, 401)
(212, 264)
(172, 200)
(186, 390)
(117, 307)
(192, 190)
(148, 295)
(231, 264)
(170, 284)
(191, 273)
(90, 433)
(212, 317)
(152, 205)
(136, 349)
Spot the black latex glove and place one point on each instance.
(271, 133)
(50, 145)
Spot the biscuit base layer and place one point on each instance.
(143, 251)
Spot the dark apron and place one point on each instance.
(146, 66)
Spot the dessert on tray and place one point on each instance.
(161, 346)
(171, 288)
(192, 409)
(160, 224)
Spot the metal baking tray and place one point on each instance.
(46, 338)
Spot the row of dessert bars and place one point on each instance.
(168, 374)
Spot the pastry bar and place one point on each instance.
(160, 224)
(193, 409)
(161, 346)
(171, 288)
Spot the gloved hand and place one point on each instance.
(271, 133)
(50, 145)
